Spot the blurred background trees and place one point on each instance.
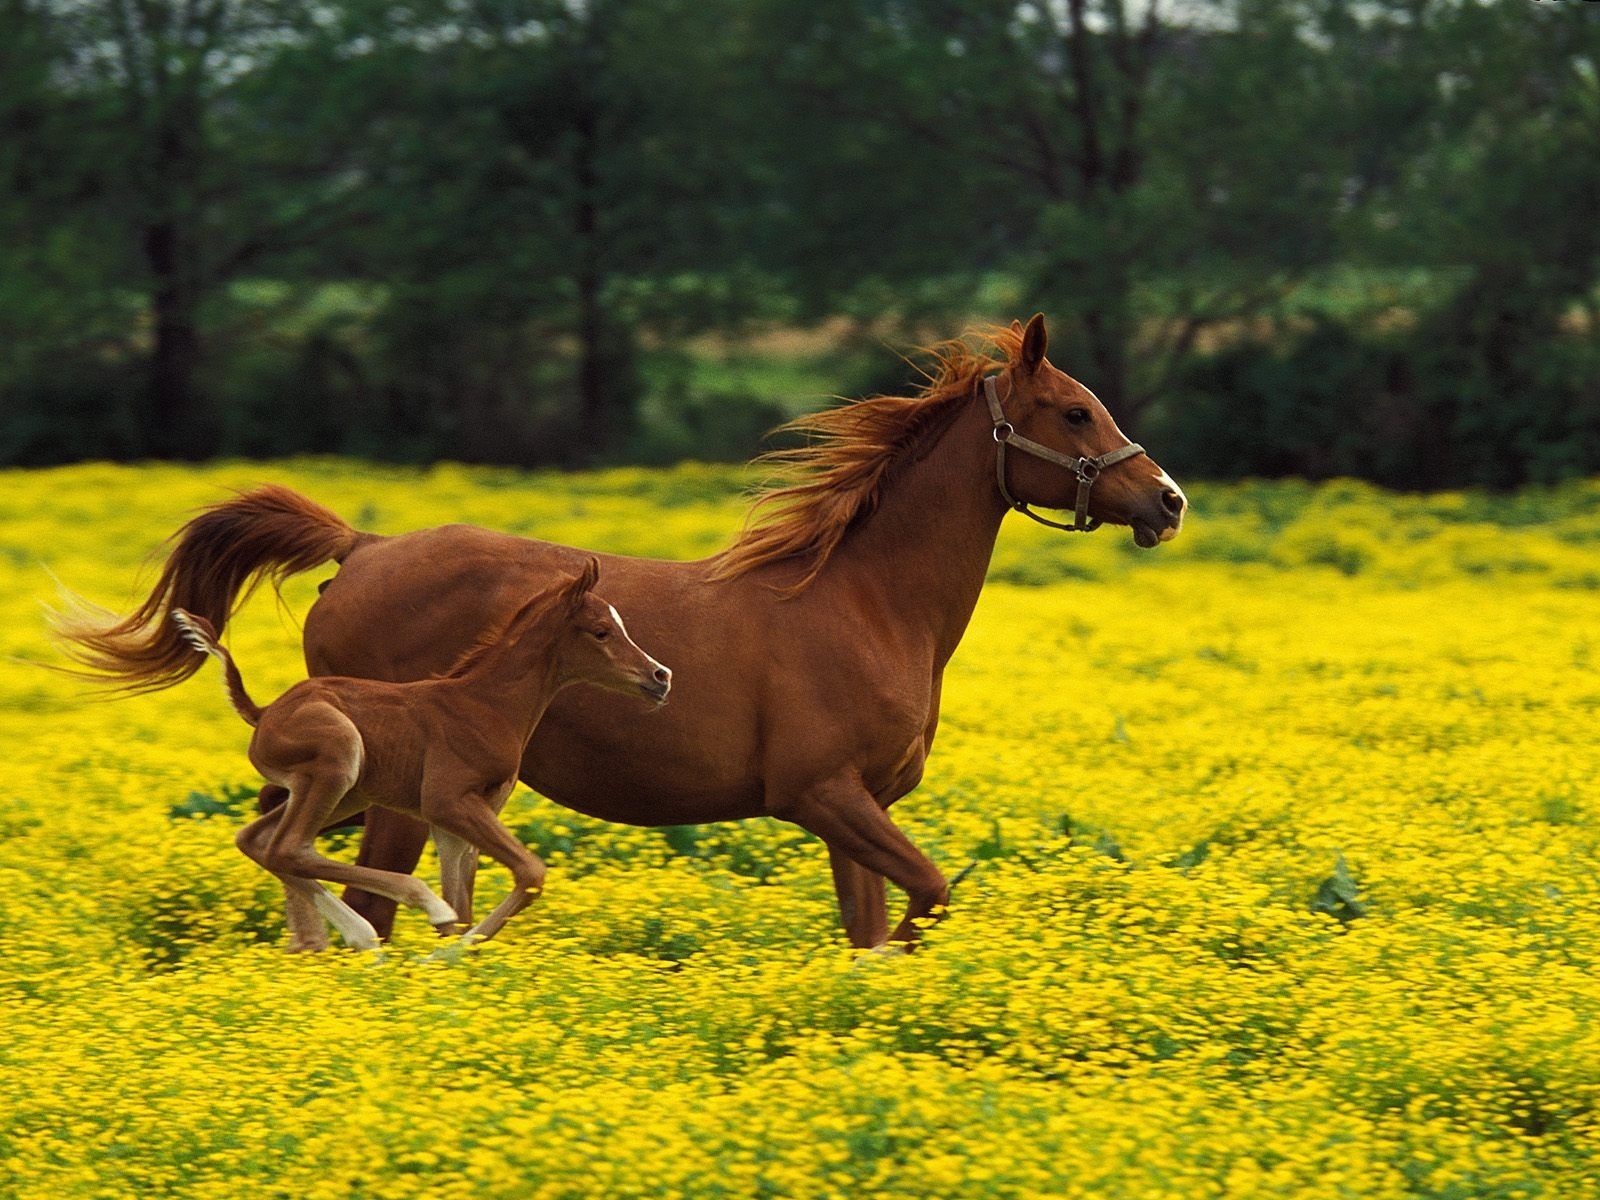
(1277, 236)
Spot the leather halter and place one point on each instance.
(1086, 469)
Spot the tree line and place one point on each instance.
(1281, 236)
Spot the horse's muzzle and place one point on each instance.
(656, 688)
(1160, 521)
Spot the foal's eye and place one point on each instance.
(600, 635)
(1077, 416)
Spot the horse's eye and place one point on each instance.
(1077, 416)
(601, 634)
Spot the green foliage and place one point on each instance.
(236, 801)
(1338, 896)
(1276, 236)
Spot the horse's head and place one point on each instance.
(593, 645)
(1054, 410)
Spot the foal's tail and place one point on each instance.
(220, 556)
(198, 633)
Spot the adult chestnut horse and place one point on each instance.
(807, 657)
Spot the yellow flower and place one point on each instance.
(1159, 981)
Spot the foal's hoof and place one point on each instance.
(886, 950)
(452, 951)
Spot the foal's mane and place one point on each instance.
(498, 633)
(818, 491)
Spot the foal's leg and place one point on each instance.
(320, 800)
(306, 902)
(473, 818)
(377, 911)
(308, 933)
(845, 815)
(458, 866)
(391, 840)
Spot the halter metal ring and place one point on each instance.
(1086, 469)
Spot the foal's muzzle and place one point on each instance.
(658, 685)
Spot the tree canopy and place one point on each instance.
(1285, 236)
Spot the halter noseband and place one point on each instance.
(1086, 469)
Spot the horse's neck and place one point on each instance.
(927, 545)
(517, 681)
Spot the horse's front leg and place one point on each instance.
(458, 870)
(863, 908)
(845, 815)
(473, 818)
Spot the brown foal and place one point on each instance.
(445, 751)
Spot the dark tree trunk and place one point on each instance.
(605, 375)
(176, 424)
(1108, 345)
(1110, 72)
(594, 400)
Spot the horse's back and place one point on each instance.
(406, 607)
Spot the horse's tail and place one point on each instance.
(220, 557)
(198, 633)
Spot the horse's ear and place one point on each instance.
(583, 583)
(1033, 343)
(1016, 328)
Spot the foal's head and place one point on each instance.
(1057, 411)
(593, 646)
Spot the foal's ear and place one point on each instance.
(584, 583)
(1033, 343)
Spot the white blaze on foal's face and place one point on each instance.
(609, 657)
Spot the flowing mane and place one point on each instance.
(568, 592)
(820, 490)
(496, 635)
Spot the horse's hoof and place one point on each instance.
(886, 950)
(450, 952)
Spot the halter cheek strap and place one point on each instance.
(1086, 469)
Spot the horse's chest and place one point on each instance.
(886, 717)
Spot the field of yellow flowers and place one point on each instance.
(1300, 902)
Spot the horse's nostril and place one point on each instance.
(663, 676)
(1172, 502)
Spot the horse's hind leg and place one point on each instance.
(306, 902)
(320, 799)
(308, 933)
(862, 907)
